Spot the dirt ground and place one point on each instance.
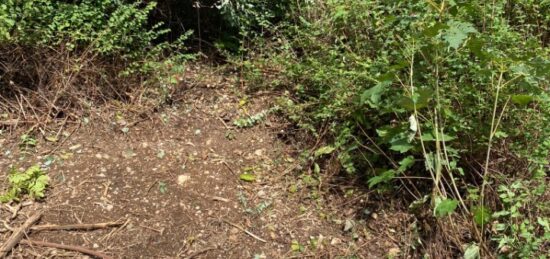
(172, 183)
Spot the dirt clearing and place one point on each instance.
(184, 182)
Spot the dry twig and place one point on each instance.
(246, 231)
(77, 226)
(66, 247)
(16, 236)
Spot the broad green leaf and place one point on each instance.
(457, 33)
(482, 215)
(401, 145)
(522, 99)
(472, 252)
(421, 99)
(373, 95)
(445, 207)
(247, 177)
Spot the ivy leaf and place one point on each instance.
(457, 33)
(445, 207)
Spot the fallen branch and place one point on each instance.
(76, 226)
(246, 231)
(18, 234)
(66, 247)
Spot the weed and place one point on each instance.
(32, 182)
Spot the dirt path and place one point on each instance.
(174, 180)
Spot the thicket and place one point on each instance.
(448, 100)
(58, 55)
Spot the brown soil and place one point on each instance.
(173, 179)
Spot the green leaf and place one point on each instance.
(421, 99)
(445, 207)
(482, 215)
(163, 188)
(324, 151)
(386, 176)
(247, 177)
(457, 33)
(472, 252)
(434, 30)
(406, 163)
(296, 247)
(373, 95)
(522, 99)
(401, 145)
(442, 137)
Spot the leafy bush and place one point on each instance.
(104, 26)
(456, 91)
(69, 49)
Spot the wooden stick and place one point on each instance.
(245, 231)
(18, 234)
(66, 247)
(77, 226)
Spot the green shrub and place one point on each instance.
(93, 43)
(456, 91)
(108, 27)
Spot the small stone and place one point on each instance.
(259, 152)
(335, 241)
(182, 179)
(394, 252)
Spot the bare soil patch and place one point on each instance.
(172, 181)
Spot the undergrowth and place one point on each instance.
(61, 58)
(448, 99)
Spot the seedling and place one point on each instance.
(33, 182)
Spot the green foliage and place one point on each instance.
(251, 16)
(253, 120)
(27, 142)
(445, 207)
(102, 26)
(436, 81)
(521, 226)
(32, 182)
